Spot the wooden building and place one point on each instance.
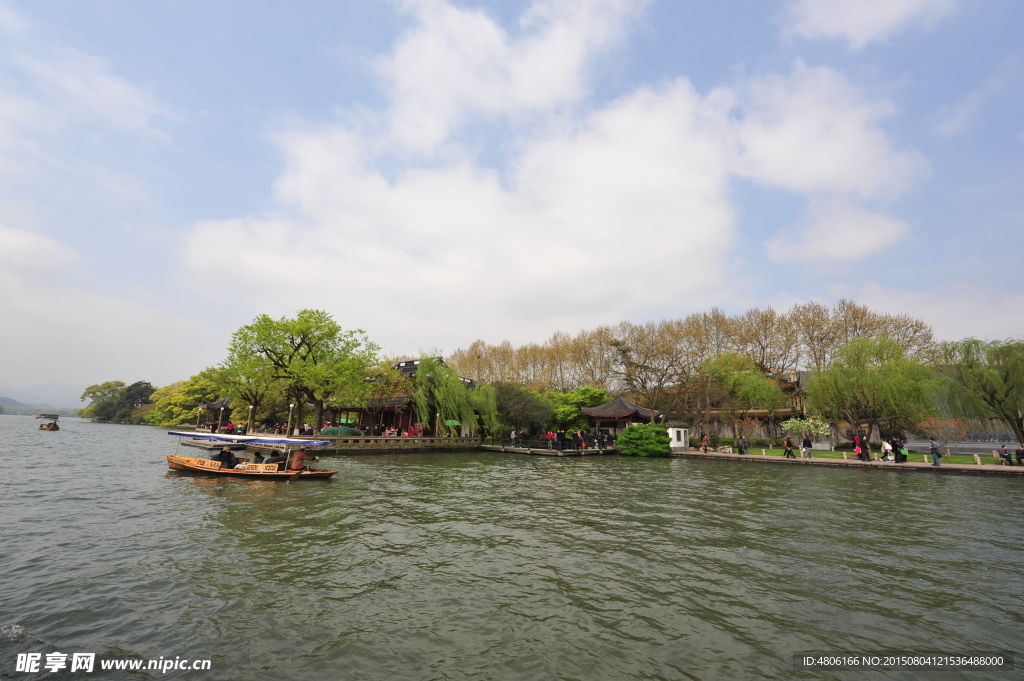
(615, 416)
(391, 405)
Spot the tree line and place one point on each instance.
(719, 373)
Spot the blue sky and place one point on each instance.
(436, 172)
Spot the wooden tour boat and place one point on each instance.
(263, 471)
(52, 418)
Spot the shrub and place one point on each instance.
(645, 439)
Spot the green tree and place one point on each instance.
(645, 439)
(872, 382)
(484, 399)
(178, 403)
(742, 386)
(115, 402)
(248, 380)
(440, 394)
(522, 408)
(986, 381)
(311, 354)
(104, 400)
(568, 407)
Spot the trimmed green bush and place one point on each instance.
(645, 439)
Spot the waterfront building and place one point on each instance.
(615, 416)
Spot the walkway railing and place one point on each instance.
(378, 442)
(565, 446)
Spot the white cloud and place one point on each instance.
(838, 231)
(82, 86)
(955, 309)
(641, 183)
(109, 337)
(812, 131)
(456, 63)
(588, 196)
(860, 22)
(23, 250)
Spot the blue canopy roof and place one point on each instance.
(253, 439)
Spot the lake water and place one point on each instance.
(493, 566)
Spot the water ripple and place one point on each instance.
(493, 566)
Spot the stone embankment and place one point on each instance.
(951, 468)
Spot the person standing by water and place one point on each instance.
(705, 443)
(933, 448)
(886, 451)
(512, 436)
(744, 446)
(1020, 455)
(899, 450)
(805, 450)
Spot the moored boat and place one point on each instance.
(292, 468)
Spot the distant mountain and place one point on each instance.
(13, 406)
(67, 396)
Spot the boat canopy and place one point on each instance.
(253, 439)
(52, 417)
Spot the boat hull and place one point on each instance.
(253, 471)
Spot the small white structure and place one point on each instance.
(679, 436)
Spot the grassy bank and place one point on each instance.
(915, 457)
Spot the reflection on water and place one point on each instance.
(493, 566)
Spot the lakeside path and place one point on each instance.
(949, 468)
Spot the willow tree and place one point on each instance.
(440, 394)
(314, 358)
(743, 386)
(872, 382)
(986, 381)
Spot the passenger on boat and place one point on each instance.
(279, 459)
(226, 458)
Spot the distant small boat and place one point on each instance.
(52, 418)
(264, 471)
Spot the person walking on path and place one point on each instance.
(805, 450)
(788, 454)
(933, 447)
(899, 450)
(743, 445)
(512, 436)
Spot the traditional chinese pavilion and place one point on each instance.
(615, 416)
(216, 415)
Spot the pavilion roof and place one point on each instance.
(618, 408)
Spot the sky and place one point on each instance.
(436, 172)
